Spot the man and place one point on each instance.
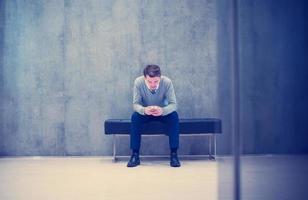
(154, 99)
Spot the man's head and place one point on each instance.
(152, 76)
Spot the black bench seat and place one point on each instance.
(198, 126)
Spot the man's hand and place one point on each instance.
(153, 110)
(147, 110)
(157, 111)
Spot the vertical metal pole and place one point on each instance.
(210, 146)
(114, 148)
(235, 109)
(214, 146)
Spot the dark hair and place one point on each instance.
(152, 71)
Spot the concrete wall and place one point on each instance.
(66, 66)
(69, 65)
(1, 70)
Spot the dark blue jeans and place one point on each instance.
(171, 120)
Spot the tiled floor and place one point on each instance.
(65, 178)
(100, 178)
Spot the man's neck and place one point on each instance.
(153, 91)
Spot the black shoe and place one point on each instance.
(134, 160)
(174, 160)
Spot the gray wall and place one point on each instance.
(66, 66)
(274, 76)
(69, 65)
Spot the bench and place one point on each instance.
(188, 127)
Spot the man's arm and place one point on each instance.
(172, 105)
(137, 100)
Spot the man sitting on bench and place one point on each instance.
(154, 99)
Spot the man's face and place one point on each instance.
(152, 82)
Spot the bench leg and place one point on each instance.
(214, 146)
(210, 146)
(211, 156)
(114, 148)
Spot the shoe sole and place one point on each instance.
(133, 165)
(175, 165)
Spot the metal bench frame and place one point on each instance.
(211, 136)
